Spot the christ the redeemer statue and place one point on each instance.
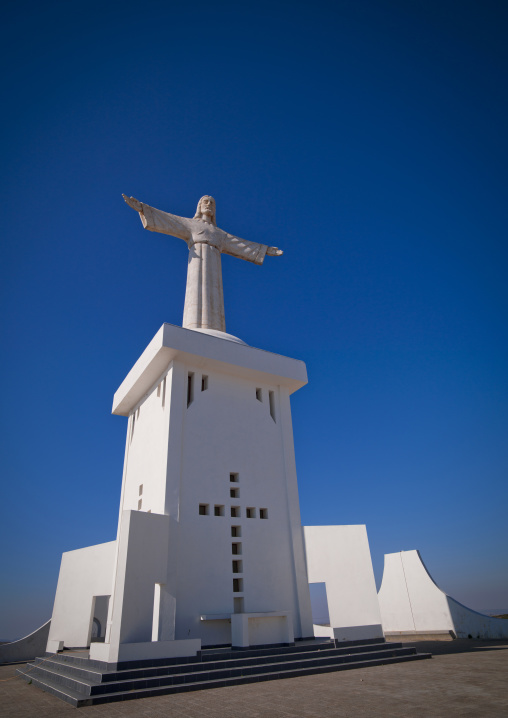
(204, 297)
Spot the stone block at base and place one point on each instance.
(349, 633)
(255, 629)
(109, 653)
(54, 646)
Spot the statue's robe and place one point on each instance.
(204, 296)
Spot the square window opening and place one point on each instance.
(263, 513)
(203, 509)
(237, 585)
(250, 512)
(234, 478)
(259, 394)
(236, 549)
(218, 510)
(235, 512)
(236, 531)
(238, 605)
(234, 493)
(237, 566)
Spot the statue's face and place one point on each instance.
(208, 206)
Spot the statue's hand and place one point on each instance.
(273, 251)
(133, 202)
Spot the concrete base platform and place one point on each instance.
(83, 682)
(464, 678)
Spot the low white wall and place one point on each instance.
(144, 651)
(26, 648)
(339, 556)
(84, 573)
(410, 601)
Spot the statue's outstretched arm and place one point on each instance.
(133, 202)
(158, 221)
(250, 251)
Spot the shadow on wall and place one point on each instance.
(26, 648)
(471, 624)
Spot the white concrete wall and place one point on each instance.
(184, 455)
(84, 573)
(26, 648)
(411, 602)
(339, 556)
(146, 450)
(141, 563)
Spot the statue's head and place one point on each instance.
(206, 207)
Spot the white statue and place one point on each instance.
(204, 298)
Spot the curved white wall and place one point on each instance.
(411, 602)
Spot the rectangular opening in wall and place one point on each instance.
(238, 605)
(319, 604)
(234, 493)
(140, 489)
(263, 513)
(190, 388)
(237, 566)
(204, 383)
(250, 512)
(271, 401)
(140, 503)
(236, 531)
(218, 510)
(236, 549)
(259, 395)
(203, 509)
(234, 477)
(235, 512)
(237, 585)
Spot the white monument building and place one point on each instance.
(210, 550)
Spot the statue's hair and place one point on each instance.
(199, 214)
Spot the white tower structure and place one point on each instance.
(209, 490)
(210, 549)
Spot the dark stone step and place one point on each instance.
(221, 683)
(237, 659)
(92, 692)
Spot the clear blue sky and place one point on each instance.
(365, 138)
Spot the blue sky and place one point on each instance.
(368, 140)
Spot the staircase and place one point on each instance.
(80, 681)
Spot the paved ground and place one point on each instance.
(465, 678)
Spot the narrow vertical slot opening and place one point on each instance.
(271, 401)
(190, 388)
